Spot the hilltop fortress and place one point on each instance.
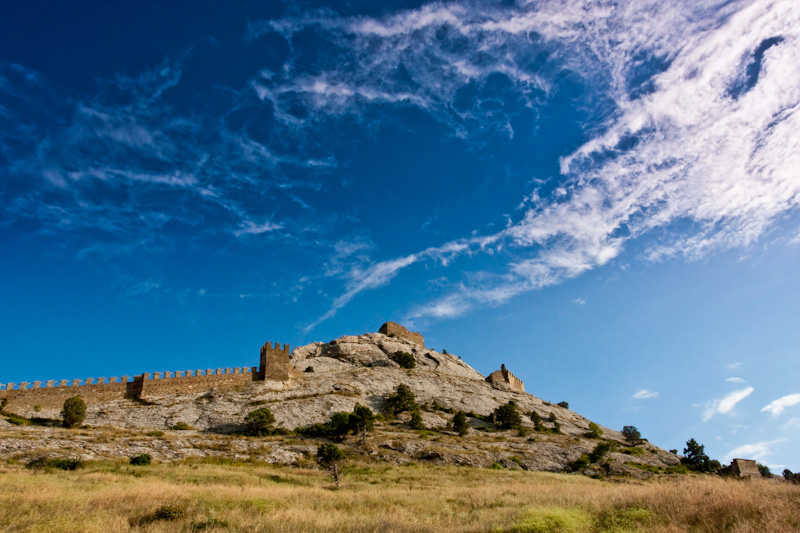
(274, 365)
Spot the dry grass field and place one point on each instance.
(111, 496)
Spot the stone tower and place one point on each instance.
(274, 362)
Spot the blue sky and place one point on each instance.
(603, 196)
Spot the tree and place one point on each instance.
(404, 359)
(73, 412)
(600, 451)
(595, 432)
(694, 457)
(632, 435)
(537, 421)
(259, 422)
(565, 405)
(416, 420)
(507, 417)
(362, 420)
(339, 425)
(330, 457)
(764, 469)
(402, 400)
(460, 425)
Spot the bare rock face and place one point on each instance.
(326, 378)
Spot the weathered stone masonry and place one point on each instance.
(503, 379)
(274, 366)
(393, 329)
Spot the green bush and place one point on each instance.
(330, 457)
(182, 426)
(141, 460)
(55, 462)
(155, 433)
(600, 451)
(339, 425)
(565, 405)
(362, 420)
(537, 421)
(507, 417)
(416, 420)
(460, 424)
(73, 412)
(259, 422)
(595, 432)
(404, 359)
(581, 462)
(632, 435)
(402, 400)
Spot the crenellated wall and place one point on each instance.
(51, 394)
(503, 379)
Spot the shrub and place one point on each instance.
(3, 405)
(416, 420)
(141, 460)
(553, 419)
(595, 432)
(182, 426)
(600, 451)
(402, 400)
(557, 428)
(764, 469)
(460, 425)
(404, 359)
(632, 435)
(330, 456)
(674, 451)
(309, 368)
(581, 462)
(537, 421)
(260, 421)
(56, 462)
(168, 513)
(565, 405)
(695, 458)
(155, 433)
(362, 421)
(339, 425)
(73, 412)
(506, 416)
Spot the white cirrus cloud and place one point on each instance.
(726, 404)
(776, 407)
(735, 380)
(757, 451)
(645, 394)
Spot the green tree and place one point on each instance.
(73, 412)
(416, 420)
(260, 421)
(339, 425)
(695, 458)
(537, 421)
(764, 469)
(362, 420)
(600, 451)
(404, 359)
(460, 425)
(507, 417)
(330, 457)
(402, 400)
(595, 432)
(565, 405)
(632, 435)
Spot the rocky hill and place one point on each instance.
(325, 378)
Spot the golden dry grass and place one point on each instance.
(113, 496)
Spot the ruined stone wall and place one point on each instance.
(396, 330)
(745, 468)
(274, 362)
(51, 395)
(503, 379)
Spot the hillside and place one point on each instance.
(346, 371)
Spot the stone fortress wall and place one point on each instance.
(503, 379)
(393, 329)
(51, 394)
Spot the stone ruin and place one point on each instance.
(503, 379)
(745, 468)
(393, 329)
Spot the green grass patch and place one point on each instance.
(552, 520)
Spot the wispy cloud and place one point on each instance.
(579, 301)
(645, 394)
(735, 380)
(776, 407)
(758, 451)
(726, 404)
